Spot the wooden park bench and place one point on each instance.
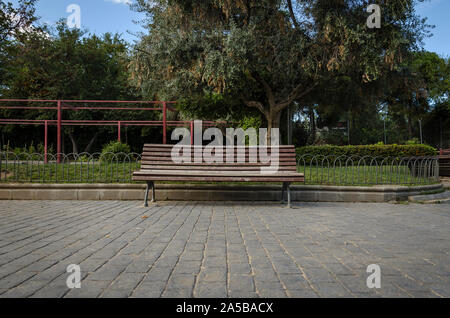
(157, 165)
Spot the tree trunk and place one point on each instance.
(410, 128)
(273, 114)
(273, 121)
(74, 143)
(91, 142)
(312, 119)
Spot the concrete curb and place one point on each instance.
(206, 192)
(445, 181)
(436, 197)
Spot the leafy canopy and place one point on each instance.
(267, 53)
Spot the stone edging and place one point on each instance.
(205, 192)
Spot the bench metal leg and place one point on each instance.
(146, 195)
(153, 192)
(288, 195)
(150, 184)
(287, 189)
(283, 190)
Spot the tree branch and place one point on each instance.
(291, 13)
(297, 92)
(142, 51)
(258, 105)
(267, 89)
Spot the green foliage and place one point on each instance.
(251, 122)
(69, 64)
(15, 21)
(434, 72)
(436, 130)
(415, 90)
(257, 52)
(115, 150)
(211, 106)
(383, 151)
(414, 141)
(27, 152)
(334, 137)
(10, 25)
(300, 134)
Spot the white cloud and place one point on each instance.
(120, 1)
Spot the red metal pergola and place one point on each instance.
(61, 105)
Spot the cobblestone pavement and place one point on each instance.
(192, 249)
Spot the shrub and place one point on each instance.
(115, 150)
(396, 151)
(30, 152)
(414, 141)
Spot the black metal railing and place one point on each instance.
(119, 167)
(74, 168)
(368, 170)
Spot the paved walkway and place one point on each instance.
(180, 249)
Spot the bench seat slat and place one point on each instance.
(217, 168)
(219, 179)
(168, 159)
(224, 150)
(192, 154)
(201, 173)
(193, 164)
(203, 146)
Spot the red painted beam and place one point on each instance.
(118, 131)
(45, 141)
(164, 123)
(58, 133)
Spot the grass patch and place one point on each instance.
(104, 172)
(94, 172)
(362, 175)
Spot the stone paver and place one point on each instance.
(222, 249)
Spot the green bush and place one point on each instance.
(26, 152)
(396, 151)
(115, 150)
(414, 141)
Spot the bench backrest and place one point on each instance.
(159, 157)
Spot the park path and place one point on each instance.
(223, 249)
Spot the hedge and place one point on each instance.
(396, 151)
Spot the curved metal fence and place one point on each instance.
(368, 170)
(74, 168)
(119, 167)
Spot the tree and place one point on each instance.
(267, 53)
(417, 88)
(70, 64)
(14, 22)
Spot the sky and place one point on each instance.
(101, 16)
(97, 16)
